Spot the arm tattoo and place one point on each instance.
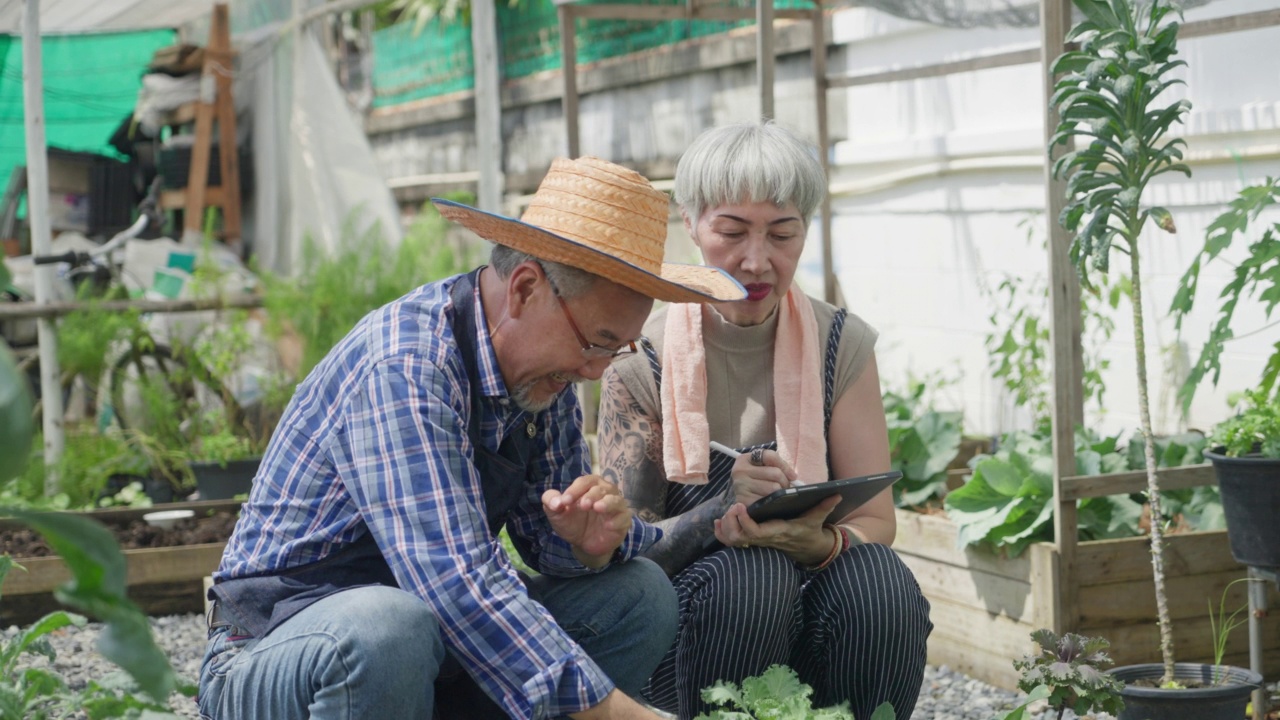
(631, 455)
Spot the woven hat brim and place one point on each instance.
(678, 282)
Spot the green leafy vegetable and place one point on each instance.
(1071, 667)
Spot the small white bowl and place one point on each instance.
(167, 518)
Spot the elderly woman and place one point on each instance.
(792, 383)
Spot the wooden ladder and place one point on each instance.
(214, 103)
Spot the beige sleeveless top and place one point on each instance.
(740, 405)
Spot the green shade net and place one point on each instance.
(91, 83)
(411, 66)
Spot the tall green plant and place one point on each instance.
(1107, 101)
(331, 293)
(1256, 276)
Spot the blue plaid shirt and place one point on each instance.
(375, 440)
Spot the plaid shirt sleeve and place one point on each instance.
(402, 456)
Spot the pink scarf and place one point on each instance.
(797, 392)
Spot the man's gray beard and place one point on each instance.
(522, 400)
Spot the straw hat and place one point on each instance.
(607, 220)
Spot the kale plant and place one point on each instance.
(776, 694)
(1071, 667)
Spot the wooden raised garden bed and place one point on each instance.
(984, 606)
(161, 580)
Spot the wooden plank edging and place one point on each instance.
(1080, 487)
(144, 566)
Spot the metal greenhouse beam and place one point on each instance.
(488, 104)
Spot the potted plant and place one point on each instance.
(1246, 459)
(223, 462)
(1107, 99)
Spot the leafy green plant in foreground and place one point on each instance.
(33, 692)
(97, 587)
(777, 693)
(1071, 666)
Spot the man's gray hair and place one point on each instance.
(568, 282)
(749, 162)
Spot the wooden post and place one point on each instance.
(1064, 300)
(484, 50)
(569, 72)
(219, 53)
(764, 56)
(818, 53)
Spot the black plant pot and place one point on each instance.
(216, 482)
(1225, 701)
(158, 489)
(1251, 503)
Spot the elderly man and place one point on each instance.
(365, 578)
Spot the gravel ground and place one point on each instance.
(945, 694)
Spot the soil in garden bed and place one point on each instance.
(213, 523)
(132, 534)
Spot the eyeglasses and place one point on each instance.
(591, 350)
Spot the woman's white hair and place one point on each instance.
(749, 162)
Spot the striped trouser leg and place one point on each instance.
(740, 612)
(865, 627)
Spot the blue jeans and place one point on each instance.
(377, 652)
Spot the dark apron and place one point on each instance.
(260, 603)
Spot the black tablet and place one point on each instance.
(795, 501)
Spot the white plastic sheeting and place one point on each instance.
(314, 173)
(314, 170)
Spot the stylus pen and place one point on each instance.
(735, 455)
(726, 450)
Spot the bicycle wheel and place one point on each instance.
(156, 391)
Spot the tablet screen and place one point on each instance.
(795, 501)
